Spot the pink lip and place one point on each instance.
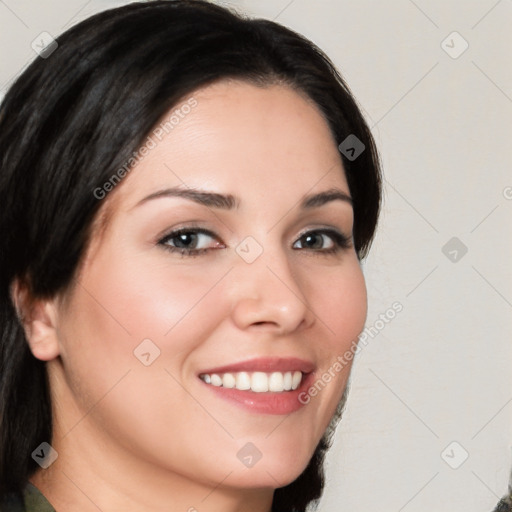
(265, 364)
(285, 402)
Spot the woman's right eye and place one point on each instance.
(190, 242)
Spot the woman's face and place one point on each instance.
(222, 261)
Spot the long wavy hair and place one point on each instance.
(76, 116)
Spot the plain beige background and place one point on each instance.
(428, 423)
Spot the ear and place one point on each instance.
(39, 320)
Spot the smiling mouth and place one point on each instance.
(258, 382)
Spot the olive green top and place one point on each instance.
(31, 501)
(34, 501)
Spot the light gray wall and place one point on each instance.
(440, 371)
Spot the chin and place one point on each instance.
(273, 471)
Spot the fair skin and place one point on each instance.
(135, 438)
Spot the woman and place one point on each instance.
(187, 196)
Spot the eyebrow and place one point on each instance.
(230, 202)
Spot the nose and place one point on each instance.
(269, 295)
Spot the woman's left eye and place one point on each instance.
(326, 241)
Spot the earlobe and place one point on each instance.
(39, 320)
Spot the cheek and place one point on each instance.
(339, 300)
(121, 303)
(116, 308)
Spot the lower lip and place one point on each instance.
(285, 402)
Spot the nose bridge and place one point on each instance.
(268, 291)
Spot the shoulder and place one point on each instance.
(31, 500)
(35, 501)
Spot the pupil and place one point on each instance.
(186, 239)
(312, 240)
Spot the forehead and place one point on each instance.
(237, 138)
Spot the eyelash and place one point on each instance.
(340, 241)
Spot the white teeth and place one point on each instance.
(243, 381)
(216, 380)
(276, 382)
(258, 382)
(228, 381)
(287, 381)
(297, 377)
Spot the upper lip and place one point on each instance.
(264, 364)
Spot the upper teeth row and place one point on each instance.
(258, 381)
